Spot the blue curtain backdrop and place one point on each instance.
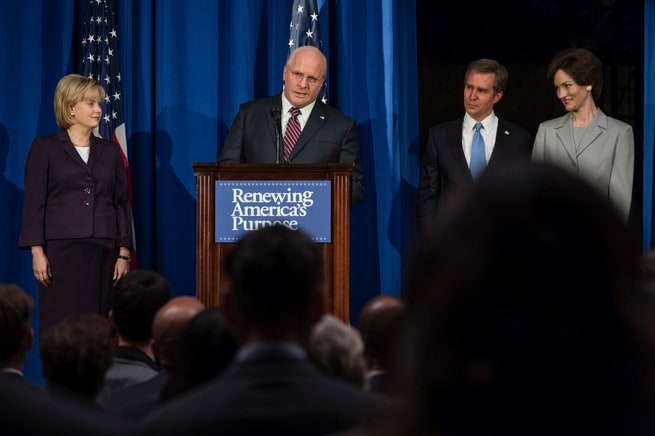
(649, 122)
(186, 67)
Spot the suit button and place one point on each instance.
(87, 190)
(88, 178)
(87, 203)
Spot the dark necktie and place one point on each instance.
(478, 160)
(292, 133)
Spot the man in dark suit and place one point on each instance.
(135, 300)
(272, 387)
(169, 333)
(260, 131)
(445, 166)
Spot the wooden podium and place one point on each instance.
(211, 281)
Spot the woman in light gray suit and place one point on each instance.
(591, 144)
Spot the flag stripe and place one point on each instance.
(99, 61)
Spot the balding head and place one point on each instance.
(304, 75)
(169, 325)
(380, 322)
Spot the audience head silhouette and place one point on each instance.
(16, 308)
(521, 302)
(169, 324)
(338, 350)
(276, 284)
(76, 353)
(135, 300)
(381, 322)
(209, 346)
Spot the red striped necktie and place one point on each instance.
(292, 133)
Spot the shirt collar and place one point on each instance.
(253, 349)
(13, 371)
(304, 111)
(487, 123)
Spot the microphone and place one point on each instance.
(276, 113)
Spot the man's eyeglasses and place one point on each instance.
(311, 80)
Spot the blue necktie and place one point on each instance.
(478, 161)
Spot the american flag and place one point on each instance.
(305, 30)
(100, 61)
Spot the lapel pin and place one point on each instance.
(322, 117)
(506, 133)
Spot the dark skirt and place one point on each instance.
(82, 271)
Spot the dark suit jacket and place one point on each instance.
(130, 366)
(133, 402)
(328, 136)
(381, 383)
(444, 170)
(66, 198)
(27, 410)
(275, 394)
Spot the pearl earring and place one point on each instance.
(588, 88)
(73, 113)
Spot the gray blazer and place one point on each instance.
(605, 158)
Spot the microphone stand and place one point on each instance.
(276, 113)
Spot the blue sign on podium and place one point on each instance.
(245, 205)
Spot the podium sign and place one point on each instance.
(246, 205)
(243, 196)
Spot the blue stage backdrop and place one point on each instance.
(649, 122)
(185, 68)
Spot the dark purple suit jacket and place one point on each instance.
(444, 170)
(66, 198)
(328, 136)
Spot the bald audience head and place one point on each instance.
(169, 326)
(380, 321)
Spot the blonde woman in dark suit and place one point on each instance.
(77, 219)
(586, 141)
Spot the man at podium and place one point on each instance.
(295, 127)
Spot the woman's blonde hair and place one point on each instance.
(70, 90)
